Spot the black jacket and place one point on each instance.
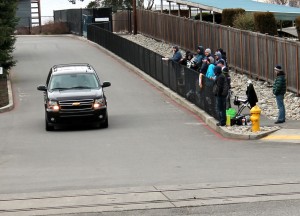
(251, 95)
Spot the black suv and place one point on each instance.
(74, 94)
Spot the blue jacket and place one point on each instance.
(210, 71)
(176, 57)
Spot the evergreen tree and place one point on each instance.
(93, 4)
(117, 4)
(8, 22)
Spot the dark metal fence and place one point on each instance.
(248, 52)
(177, 77)
(74, 18)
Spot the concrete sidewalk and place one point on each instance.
(148, 197)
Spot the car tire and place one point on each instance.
(47, 126)
(105, 124)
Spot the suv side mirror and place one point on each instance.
(42, 88)
(106, 84)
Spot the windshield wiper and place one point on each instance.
(81, 87)
(60, 89)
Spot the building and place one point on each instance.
(29, 13)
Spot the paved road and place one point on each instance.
(150, 140)
(274, 208)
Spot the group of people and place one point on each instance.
(215, 68)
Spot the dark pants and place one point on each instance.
(221, 109)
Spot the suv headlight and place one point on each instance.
(53, 105)
(100, 102)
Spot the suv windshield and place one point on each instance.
(73, 81)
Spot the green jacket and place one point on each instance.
(279, 87)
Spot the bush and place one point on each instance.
(209, 17)
(265, 23)
(8, 23)
(228, 15)
(52, 28)
(244, 21)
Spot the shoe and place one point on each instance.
(279, 122)
(219, 124)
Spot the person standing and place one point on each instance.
(225, 71)
(220, 90)
(176, 55)
(198, 58)
(279, 90)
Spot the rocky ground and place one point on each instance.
(267, 102)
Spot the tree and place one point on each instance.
(294, 3)
(93, 4)
(117, 4)
(280, 2)
(265, 23)
(74, 1)
(8, 23)
(146, 5)
(244, 21)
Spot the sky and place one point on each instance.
(48, 6)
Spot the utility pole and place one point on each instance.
(134, 17)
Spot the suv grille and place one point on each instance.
(76, 105)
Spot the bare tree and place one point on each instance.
(74, 1)
(145, 5)
(140, 3)
(280, 2)
(150, 4)
(294, 3)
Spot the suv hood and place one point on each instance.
(75, 94)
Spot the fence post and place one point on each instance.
(267, 59)
(297, 69)
(286, 63)
(242, 50)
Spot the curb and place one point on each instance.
(10, 105)
(209, 120)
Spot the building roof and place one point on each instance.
(281, 12)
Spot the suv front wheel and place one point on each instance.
(104, 124)
(48, 127)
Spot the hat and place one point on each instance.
(278, 68)
(200, 48)
(225, 70)
(217, 70)
(221, 61)
(211, 59)
(208, 50)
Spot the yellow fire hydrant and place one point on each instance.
(255, 118)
